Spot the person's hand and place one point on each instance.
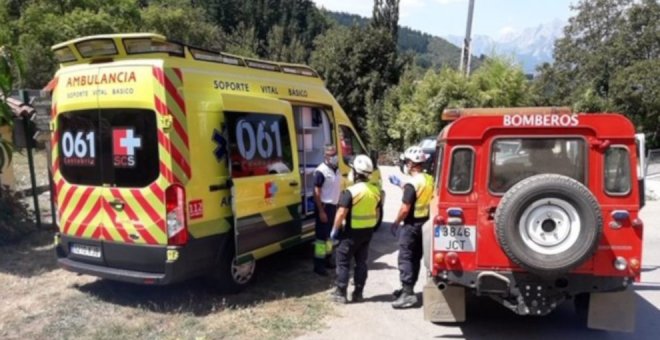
(323, 216)
(394, 228)
(395, 180)
(334, 234)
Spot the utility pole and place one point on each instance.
(466, 54)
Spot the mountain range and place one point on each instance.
(530, 47)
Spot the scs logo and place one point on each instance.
(124, 144)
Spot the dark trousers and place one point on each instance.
(355, 245)
(322, 246)
(410, 253)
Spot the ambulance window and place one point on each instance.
(129, 147)
(79, 147)
(617, 171)
(462, 167)
(349, 143)
(259, 144)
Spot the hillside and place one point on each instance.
(427, 50)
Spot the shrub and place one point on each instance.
(15, 220)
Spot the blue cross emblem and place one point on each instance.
(221, 149)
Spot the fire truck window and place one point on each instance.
(350, 145)
(617, 171)
(513, 160)
(460, 174)
(259, 144)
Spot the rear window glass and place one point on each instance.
(617, 171)
(259, 144)
(513, 160)
(462, 167)
(116, 147)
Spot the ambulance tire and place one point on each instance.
(549, 224)
(223, 277)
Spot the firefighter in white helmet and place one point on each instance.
(357, 208)
(414, 212)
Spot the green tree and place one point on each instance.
(10, 70)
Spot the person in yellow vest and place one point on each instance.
(414, 212)
(357, 209)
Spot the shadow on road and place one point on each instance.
(31, 257)
(486, 319)
(284, 275)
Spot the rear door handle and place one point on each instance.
(293, 183)
(117, 204)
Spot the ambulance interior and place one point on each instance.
(314, 131)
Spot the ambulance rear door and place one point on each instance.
(265, 174)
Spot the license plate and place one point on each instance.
(84, 250)
(455, 238)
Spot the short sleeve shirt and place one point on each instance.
(410, 197)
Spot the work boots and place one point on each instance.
(407, 298)
(357, 294)
(339, 295)
(319, 267)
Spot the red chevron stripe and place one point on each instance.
(159, 75)
(97, 234)
(133, 216)
(81, 203)
(180, 160)
(113, 220)
(160, 106)
(157, 191)
(88, 219)
(178, 73)
(56, 165)
(58, 187)
(155, 217)
(65, 203)
(181, 132)
(167, 173)
(171, 89)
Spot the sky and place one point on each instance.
(448, 17)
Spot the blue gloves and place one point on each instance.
(395, 180)
(334, 234)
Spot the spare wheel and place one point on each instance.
(548, 224)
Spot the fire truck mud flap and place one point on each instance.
(612, 311)
(443, 303)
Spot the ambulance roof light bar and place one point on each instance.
(453, 114)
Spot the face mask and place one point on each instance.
(333, 162)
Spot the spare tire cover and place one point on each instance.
(548, 224)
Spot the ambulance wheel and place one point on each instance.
(549, 224)
(229, 276)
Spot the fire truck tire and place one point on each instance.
(549, 224)
(229, 277)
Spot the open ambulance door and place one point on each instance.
(263, 163)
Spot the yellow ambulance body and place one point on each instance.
(172, 161)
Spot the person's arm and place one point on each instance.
(343, 207)
(318, 184)
(409, 196)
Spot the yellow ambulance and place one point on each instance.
(172, 161)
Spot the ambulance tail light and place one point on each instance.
(175, 201)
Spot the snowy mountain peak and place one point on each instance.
(531, 46)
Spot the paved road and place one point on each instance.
(375, 319)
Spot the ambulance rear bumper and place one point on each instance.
(140, 264)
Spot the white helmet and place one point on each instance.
(415, 154)
(363, 165)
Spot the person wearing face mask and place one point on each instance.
(327, 187)
(414, 212)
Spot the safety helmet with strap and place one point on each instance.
(366, 198)
(415, 154)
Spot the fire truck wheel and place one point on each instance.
(230, 277)
(548, 224)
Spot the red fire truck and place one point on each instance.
(534, 207)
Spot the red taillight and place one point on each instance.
(451, 259)
(175, 202)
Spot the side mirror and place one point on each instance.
(640, 138)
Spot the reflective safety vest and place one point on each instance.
(366, 198)
(423, 184)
